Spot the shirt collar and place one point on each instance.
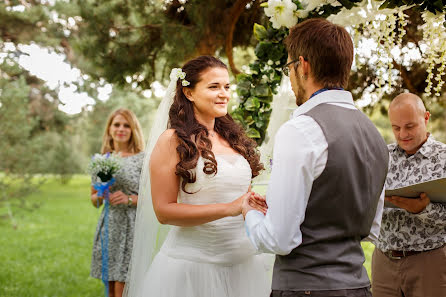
(330, 96)
(424, 150)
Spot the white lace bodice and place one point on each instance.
(222, 241)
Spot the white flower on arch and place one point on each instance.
(281, 13)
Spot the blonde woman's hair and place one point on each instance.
(136, 141)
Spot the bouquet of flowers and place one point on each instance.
(104, 167)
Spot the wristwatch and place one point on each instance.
(130, 203)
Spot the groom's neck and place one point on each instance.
(311, 87)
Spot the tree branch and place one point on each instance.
(68, 51)
(147, 26)
(405, 76)
(236, 11)
(129, 28)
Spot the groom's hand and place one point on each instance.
(254, 202)
(258, 202)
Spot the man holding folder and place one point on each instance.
(410, 255)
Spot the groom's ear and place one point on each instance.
(306, 67)
(188, 93)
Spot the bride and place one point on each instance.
(200, 172)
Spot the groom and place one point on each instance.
(329, 165)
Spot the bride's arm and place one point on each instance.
(165, 185)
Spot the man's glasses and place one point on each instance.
(286, 68)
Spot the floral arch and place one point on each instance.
(383, 22)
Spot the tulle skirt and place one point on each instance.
(174, 277)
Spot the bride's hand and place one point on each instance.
(235, 207)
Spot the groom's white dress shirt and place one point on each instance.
(299, 157)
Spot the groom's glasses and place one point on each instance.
(286, 68)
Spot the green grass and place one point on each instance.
(368, 251)
(49, 252)
(48, 255)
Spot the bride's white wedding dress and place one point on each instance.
(215, 259)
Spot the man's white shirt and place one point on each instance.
(299, 158)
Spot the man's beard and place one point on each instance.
(300, 96)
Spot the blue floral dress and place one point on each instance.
(121, 222)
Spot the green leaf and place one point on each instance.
(238, 117)
(262, 50)
(243, 77)
(259, 32)
(243, 85)
(252, 103)
(267, 106)
(347, 4)
(277, 52)
(270, 51)
(249, 120)
(259, 123)
(439, 5)
(253, 133)
(385, 4)
(261, 91)
(298, 4)
(266, 100)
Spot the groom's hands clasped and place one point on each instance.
(254, 202)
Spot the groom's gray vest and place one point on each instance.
(341, 207)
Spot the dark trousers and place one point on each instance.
(363, 292)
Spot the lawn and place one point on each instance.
(48, 255)
(49, 252)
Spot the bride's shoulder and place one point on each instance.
(168, 133)
(168, 137)
(167, 143)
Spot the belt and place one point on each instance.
(398, 255)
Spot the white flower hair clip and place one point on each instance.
(178, 73)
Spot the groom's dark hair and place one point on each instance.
(326, 46)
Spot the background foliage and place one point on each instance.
(131, 45)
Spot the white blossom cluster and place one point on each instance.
(434, 34)
(284, 13)
(387, 30)
(269, 70)
(364, 12)
(310, 5)
(102, 166)
(178, 73)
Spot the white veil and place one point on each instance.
(284, 102)
(149, 234)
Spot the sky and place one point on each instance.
(58, 74)
(61, 76)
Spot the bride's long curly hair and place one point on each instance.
(193, 137)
